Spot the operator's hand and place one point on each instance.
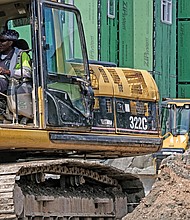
(4, 71)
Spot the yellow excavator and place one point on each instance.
(175, 127)
(57, 125)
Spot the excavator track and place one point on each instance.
(65, 189)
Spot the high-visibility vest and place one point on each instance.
(15, 64)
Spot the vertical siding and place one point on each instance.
(184, 91)
(108, 31)
(183, 51)
(125, 39)
(136, 34)
(113, 34)
(183, 9)
(104, 32)
(88, 9)
(126, 33)
(165, 53)
(143, 34)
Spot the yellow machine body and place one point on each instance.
(69, 106)
(175, 124)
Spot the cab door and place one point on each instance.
(67, 92)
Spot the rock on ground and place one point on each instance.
(142, 166)
(135, 165)
(169, 199)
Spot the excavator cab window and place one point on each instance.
(67, 91)
(60, 71)
(165, 120)
(18, 96)
(180, 120)
(175, 119)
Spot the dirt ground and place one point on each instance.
(170, 196)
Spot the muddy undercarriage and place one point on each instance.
(66, 189)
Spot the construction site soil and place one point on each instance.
(169, 197)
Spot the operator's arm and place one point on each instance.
(4, 71)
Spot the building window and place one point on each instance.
(166, 11)
(111, 9)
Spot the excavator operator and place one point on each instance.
(10, 59)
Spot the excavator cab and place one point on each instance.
(67, 85)
(175, 118)
(175, 122)
(66, 92)
(175, 127)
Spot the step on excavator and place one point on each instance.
(59, 124)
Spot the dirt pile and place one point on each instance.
(170, 195)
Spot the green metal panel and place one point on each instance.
(136, 34)
(159, 83)
(88, 9)
(162, 83)
(112, 21)
(184, 90)
(165, 53)
(183, 51)
(108, 30)
(143, 34)
(104, 32)
(107, 40)
(126, 34)
(172, 85)
(165, 91)
(183, 9)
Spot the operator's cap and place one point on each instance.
(11, 35)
